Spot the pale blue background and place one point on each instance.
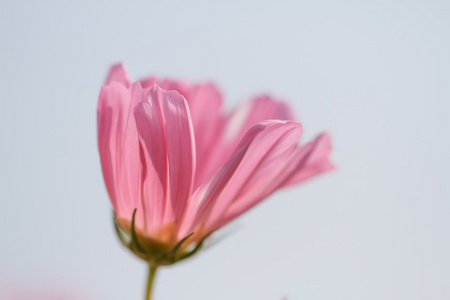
(374, 73)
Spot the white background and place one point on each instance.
(375, 74)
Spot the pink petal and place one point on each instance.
(181, 86)
(301, 163)
(118, 146)
(311, 159)
(257, 110)
(237, 124)
(246, 176)
(205, 103)
(181, 151)
(148, 82)
(119, 73)
(166, 137)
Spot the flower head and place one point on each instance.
(177, 168)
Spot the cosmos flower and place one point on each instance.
(177, 167)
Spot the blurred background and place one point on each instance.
(375, 74)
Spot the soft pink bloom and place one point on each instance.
(168, 150)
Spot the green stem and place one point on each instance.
(151, 277)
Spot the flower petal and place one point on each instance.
(118, 73)
(311, 159)
(235, 126)
(148, 82)
(181, 151)
(181, 86)
(257, 110)
(302, 163)
(205, 103)
(167, 151)
(257, 157)
(118, 146)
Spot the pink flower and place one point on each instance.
(169, 152)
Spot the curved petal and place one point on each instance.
(148, 82)
(205, 103)
(311, 159)
(167, 152)
(302, 163)
(181, 86)
(237, 123)
(258, 157)
(181, 152)
(118, 146)
(118, 73)
(254, 111)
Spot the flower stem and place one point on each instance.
(151, 277)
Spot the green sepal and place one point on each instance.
(134, 239)
(178, 245)
(195, 250)
(151, 251)
(171, 255)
